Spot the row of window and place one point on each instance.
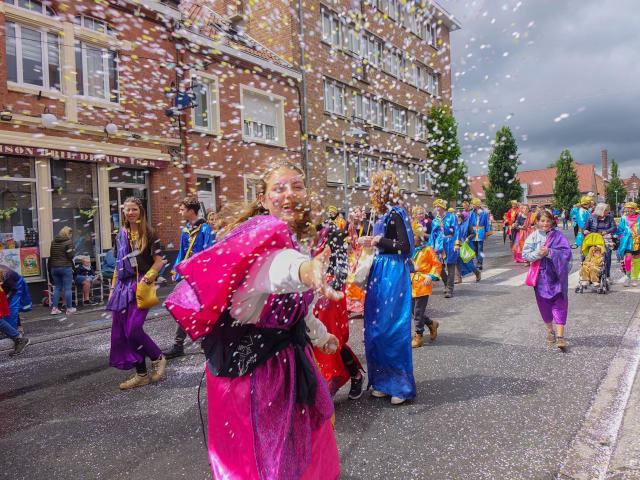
(373, 110)
(412, 18)
(367, 46)
(364, 166)
(33, 59)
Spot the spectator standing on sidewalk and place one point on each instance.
(61, 267)
(194, 237)
(139, 260)
(14, 298)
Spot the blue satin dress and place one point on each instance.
(387, 317)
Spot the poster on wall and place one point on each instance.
(10, 257)
(30, 261)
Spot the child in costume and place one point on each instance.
(269, 409)
(629, 248)
(550, 247)
(427, 270)
(592, 265)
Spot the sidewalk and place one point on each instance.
(40, 326)
(625, 461)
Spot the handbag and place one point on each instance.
(362, 267)
(534, 269)
(466, 252)
(146, 296)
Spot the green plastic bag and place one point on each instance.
(467, 253)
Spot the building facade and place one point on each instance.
(105, 101)
(632, 185)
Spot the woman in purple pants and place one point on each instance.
(138, 259)
(551, 248)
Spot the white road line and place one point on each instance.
(491, 272)
(516, 281)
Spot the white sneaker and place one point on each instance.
(55, 311)
(378, 394)
(71, 310)
(397, 400)
(634, 283)
(627, 282)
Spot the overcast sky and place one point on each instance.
(560, 73)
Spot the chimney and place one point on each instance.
(604, 157)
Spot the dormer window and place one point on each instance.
(94, 24)
(34, 6)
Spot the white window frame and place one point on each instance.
(355, 41)
(46, 9)
(279, 128)
(332, 91)
(250, 183)
(373, 50)
(423, 184)
(82, 21)
(399, 119)
(421, 127)
(333, 36)
(44, 56)
(105, 69)
(210, 175)
(213, 105)
(365, 168)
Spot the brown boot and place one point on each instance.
(417, 341)
(433, 330)
(135, 381)
(157, 369)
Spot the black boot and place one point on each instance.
(355, 392)
(175, 352)
(19, 345)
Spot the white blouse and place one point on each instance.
(278, 273)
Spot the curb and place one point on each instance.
(591, 451)
(6, 345)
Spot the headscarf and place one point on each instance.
(476, 202)
(439, 202)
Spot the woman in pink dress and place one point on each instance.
(523, 226)
(251, 297)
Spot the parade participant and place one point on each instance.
(195, 236)
(466, 209)
(387, 307)
(139, 260)
(510, 218)
(336, 369)
(465, 234)
(426, 270)
(269, 409)
(590, 268)
(625, 234)
(481, 225)
(601, 221)
(549, 246)
(444, 240)
(523, 227)
(358, 226)
(573, 215)
(419, 217)
(582, 217)
(14, 297)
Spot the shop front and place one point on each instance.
(43, 190)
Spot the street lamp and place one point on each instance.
(354, 132)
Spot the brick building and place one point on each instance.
(101, 101)
(632, 185)
(372, 71)
(537, 185)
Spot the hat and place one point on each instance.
(440, 203)
(332, 209)
(476, 202)
(514, 202)
(586, 200)
(451, 210)
(631, 205)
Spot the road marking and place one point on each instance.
(516, 281)
(492, 272)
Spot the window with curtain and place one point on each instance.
(260, 116)
(32, 56)
(35, 6)
(205, 112)
(97, 72)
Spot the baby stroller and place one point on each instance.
(596, 255)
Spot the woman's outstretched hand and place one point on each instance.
(331, 345)
(312, 274)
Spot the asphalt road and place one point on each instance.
(494, 402)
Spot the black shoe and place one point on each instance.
(356, 388)
(175, 352)
(480, 266)
(20, 345)
(478, 276)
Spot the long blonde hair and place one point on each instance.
(144, 229)
(386, 190)
(241, 213)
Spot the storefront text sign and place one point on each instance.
(79, 156)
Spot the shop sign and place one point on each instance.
(79, 156)
(25, 261)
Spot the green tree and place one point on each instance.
(503, 167)
(447, 171)
(616, 191)
(565, 188)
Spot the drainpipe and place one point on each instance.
(303, 95)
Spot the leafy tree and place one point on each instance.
(503, 166)
(565, 188)
(616, 191)
(447, 172)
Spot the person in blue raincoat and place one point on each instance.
(481, 225)
(582, 217)
(465, 233)
(444, 240)
(573, 214)
(195, 237)
(387, 304)
(13, 286)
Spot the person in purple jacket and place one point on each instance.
(551, 248)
